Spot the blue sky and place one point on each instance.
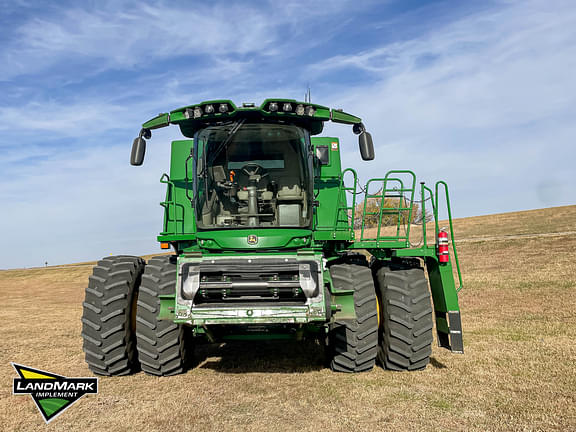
(481, 94)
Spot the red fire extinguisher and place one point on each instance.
(443, 256)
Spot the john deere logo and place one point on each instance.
(252, 239)
(52, 394)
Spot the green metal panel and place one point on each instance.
(181, 149)
(334, 168)
(160, 121)
(178, 212)
(327, 183)
(447, 310)
(331, 220)
(442, 285)
(321, 114)
(167, 306)
(339, 116)
(266, 238)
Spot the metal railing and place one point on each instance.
(171, 204)
(434, 200)
(387, 215)
(392, 208)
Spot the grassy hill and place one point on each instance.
(518, 371)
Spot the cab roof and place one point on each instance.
(191, 118)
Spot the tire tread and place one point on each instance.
(354, 343)
(405, 336)
(164, 347)
(109, 343)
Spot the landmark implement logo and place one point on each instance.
(53, 394)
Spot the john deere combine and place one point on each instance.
(270, 240)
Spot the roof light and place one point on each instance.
(273, 106)
(300, 109)
(287, 107)
(197, 112)
(248, 105)
(310, 111)
(223, 108)
(209, 109)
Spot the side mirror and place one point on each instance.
(138, 151)
(366, 146)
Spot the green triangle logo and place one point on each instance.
(52, 393)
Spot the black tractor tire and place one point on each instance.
(108, 318)
(354, 342)
(405, 334)
(164, 348)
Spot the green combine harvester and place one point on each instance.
(273, 240)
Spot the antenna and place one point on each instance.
(308, 95)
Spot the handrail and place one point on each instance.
(423, 210)
(343, 188)
(165, 179)
(434, 209)
(443, 183)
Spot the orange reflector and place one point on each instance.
(164, 245)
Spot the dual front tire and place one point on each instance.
(393, 318)
(392, 321)
(405, 333)
(120, 330)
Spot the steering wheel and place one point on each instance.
(253, 169)
(255, 172)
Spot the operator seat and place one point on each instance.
(289, 179)
(289, 190)
(290, 196)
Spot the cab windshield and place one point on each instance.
(252, 175)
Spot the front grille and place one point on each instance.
(255, 281)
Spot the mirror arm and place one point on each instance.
(145, 133)
(358, 128)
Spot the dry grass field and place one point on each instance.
(518, 371)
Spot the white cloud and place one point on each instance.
(487, 102)
(126, 35)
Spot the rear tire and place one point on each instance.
(354, 342)
(108, 330)
(405, 334)
(163, 346)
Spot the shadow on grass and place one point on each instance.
(436, 364)
(261, 356)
